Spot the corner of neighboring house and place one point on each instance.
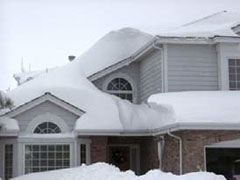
(236, 29)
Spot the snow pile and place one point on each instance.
(201, 106)
(8, 125)
(111, 49)
(219, 24)
(103, 171)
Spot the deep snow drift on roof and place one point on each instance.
(68, 84)
(219, 24)
(201, 106)
(104, 112)
(111, 49)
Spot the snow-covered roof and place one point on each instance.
(27, 76)
(212, 108)
(111, 49)
(103, 112)
(218, 24)
(8, 126)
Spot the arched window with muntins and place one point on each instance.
(47, 128)
(121, 87)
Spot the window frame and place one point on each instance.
(4, 162)
(47, 117)
(47, 127)
(236, 66)
(71, 151)
(47, 159)
(125, 77)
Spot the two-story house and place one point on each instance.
(65, 117)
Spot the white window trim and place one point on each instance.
(213, 147)
(223, 69)
(87, 142)
(123, 76)
(71, 145)
(47, 117)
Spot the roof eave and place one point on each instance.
(124, 62)
(197, 40)
(174, 127)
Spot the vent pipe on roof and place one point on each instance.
(71, 58)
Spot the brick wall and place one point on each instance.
(148, 149)
(99, 149)
(193, 148)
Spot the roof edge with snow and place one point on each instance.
(40, 99)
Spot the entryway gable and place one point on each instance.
(45, 97)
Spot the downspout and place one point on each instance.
(180, 150)
(160, 146)
(162, 64)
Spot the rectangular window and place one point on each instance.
(234, 74)
(8, 161)
(40, 158)
(83, 154)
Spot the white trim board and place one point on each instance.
(45, 97)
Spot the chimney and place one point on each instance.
(71, 58)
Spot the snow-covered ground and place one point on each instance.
(103, 171)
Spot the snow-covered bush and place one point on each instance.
(103, 171)
(5, 101)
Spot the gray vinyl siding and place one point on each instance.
(150, 78)
(132, 70)
(26, 117)
(192, 67)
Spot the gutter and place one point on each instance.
(180, 151)
(161, 130)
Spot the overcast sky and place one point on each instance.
(45, 32)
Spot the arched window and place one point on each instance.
(121, 87)
(47, 128)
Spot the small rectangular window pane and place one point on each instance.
(8, 161)
(83, 154)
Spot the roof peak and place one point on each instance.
(205, 17)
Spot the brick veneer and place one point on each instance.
(99, 149)
(193, 148)
(148, 149)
